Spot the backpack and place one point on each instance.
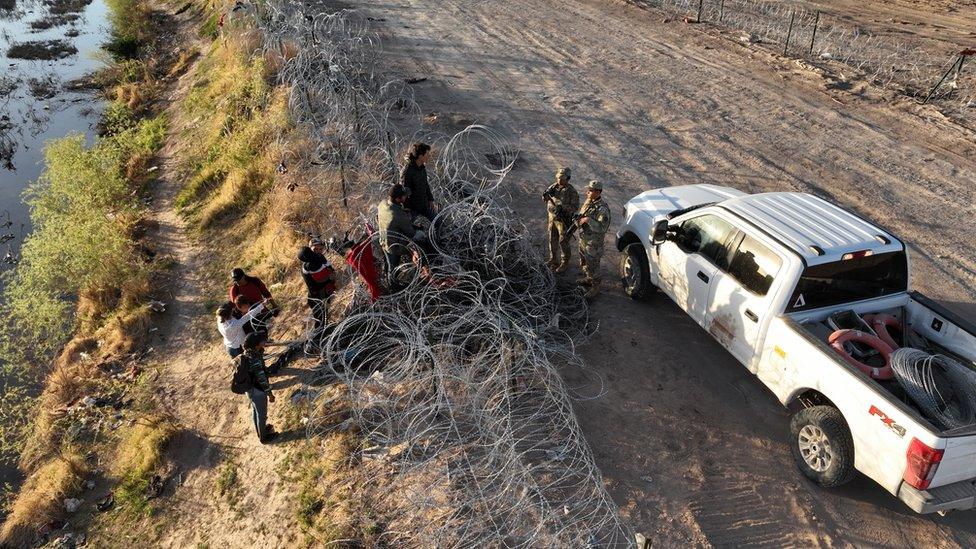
(241, 382)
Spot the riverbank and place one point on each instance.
(40, 101)
(83, 292)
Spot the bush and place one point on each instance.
(139, 454)
(83, 210)
(131, 28)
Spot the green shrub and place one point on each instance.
(130, 26)
(209, 28)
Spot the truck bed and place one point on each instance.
(956, 338)
(954, 483)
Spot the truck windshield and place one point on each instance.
(850, 280)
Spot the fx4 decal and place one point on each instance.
(898, 429)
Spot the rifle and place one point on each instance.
(575, 226)
(549, 196)
(576, 218)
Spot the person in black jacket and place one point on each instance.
(319, 277)
(260, 392)
(414, 178)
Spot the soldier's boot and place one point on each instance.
(584, 281)
(593, 291)
(552, 263)
(563, 266)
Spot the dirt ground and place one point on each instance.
(692, 447)
(948, 21)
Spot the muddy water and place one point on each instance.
(37, 102)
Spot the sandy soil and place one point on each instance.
(691, 446)
(952, 22)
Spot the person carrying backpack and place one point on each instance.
(251, 378)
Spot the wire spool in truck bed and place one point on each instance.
(943, 389)
(840, 337)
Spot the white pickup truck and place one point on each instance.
(763, 274)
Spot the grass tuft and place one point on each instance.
(40, 499)
(139, 454)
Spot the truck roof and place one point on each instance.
(820, 232)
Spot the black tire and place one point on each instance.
(635, 276)
(829, 422)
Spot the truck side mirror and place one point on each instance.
(660, 234)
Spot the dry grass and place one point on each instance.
(139, 454)
(142, 446)
(40, 499)
(183, 62)
(68, 381)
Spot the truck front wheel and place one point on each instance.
(822, 445)
(635, 273)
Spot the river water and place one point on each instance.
(38, 103)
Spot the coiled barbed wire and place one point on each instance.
(451, 380)
(944, 389)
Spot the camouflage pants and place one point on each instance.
(558, 241)
(590, 256)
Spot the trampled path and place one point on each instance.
(194, 374)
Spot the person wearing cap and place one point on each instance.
(414, 178)
(562, 201)
(250, 287)
(231, 326)
(395, 227)
(260, 393)
(320, 283)
(593, 220)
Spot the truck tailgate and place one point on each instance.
(958, 462)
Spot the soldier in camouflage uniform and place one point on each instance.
(594, 222)
(562, 201)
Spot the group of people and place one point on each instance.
(400, 216)
(411, 199)
(567, 217)
(245, 320)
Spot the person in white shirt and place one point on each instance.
(232, 329)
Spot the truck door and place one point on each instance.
(740, 299)
(689, 263)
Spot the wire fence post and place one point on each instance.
(342, 182)
(956, 66)
(701, 5)
(721, 10)
(813, 37)
(789, 33)
(391, 153)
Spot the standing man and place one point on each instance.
(252, 361)
(562, 201)
(319, 277)
(251, 287)
(414, 178)
(593, 220)
(394, 227)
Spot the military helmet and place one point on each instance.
(594, 185)
(564, 173)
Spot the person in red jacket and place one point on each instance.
(250, 287)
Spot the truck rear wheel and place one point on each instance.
(822, 446)
(635, 275)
